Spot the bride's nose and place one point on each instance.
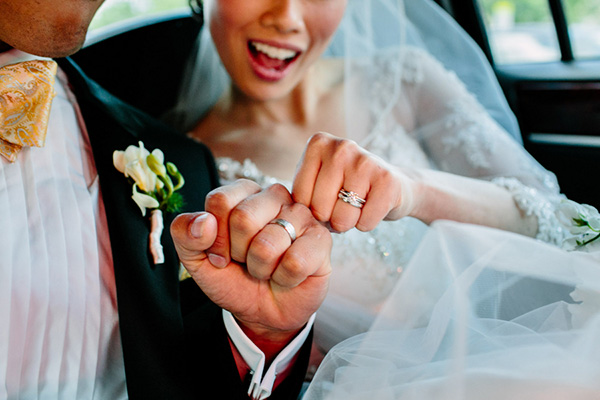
(284, 15)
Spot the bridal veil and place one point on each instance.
(478, 314)
(368, 27)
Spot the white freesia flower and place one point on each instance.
(583, 222)
(153, 187)
(143, 200)
(160, 157)
(132, 163)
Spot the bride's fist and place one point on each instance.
(347, 186)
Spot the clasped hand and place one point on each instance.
(251, 267)
(245, 264)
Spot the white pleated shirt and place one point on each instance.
(59, 336)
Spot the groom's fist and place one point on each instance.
(271, 275)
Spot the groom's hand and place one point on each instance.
(251, 267)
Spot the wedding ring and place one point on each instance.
(289, 228)
(351, 198)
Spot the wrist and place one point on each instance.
(425, 201)
(270, 341)
(411, 197)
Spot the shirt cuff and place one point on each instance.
(261, 384)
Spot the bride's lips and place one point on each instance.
(271, 61)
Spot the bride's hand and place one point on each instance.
(335, 175)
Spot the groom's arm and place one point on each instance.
(263, 365)
(272, 283)
(217, 368)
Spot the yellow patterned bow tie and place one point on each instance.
(26, 92)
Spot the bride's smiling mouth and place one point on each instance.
(270, 62)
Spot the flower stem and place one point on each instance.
(591, 240)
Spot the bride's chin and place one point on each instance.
(265, 92)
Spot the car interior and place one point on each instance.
(556, 103)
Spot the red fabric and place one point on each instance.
(244, 369)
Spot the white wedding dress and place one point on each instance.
(432, 122)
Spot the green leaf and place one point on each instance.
(174, 203)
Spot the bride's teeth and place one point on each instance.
(274, 52)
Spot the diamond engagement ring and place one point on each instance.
(289, 228)
(351, 198)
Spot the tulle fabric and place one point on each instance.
(432, 29)
(478, 314)
(402, 105)
(368, 27)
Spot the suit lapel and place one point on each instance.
(147, 295)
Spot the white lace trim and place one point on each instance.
(231, 170)
(467, 119)
(532, 202)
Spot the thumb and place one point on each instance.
(192, 234)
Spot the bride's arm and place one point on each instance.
(393, 192)
(441, 195)
(480, 175)
(461, 138)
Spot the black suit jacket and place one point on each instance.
(174, 342)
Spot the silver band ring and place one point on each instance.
(289, 228)
(351, 198)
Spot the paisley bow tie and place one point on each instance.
(26, 92)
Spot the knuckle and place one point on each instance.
(218, 202)
(243, 219)
(263, 250)
(364, 162)
(279, 191)
(291, 272)
(365, 226)
(320, 143)
(299, 209)
(320, 214)
(319, 139)
(246, 185)
(246, 182)
(223, 199)
(340, 225)
(258, 271)
(384, 175)
(345, 151)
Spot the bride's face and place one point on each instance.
(267, 46)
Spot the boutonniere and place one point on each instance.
(584, 226)
(155, 186)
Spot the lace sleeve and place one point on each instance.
(460, 137)
(533, 202)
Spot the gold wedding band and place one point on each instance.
(351, 198)
(289, 228)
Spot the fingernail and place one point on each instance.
(197, 227)
(217, 261)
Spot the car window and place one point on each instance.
(525, 31)
(584, 27)
(114, 11)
